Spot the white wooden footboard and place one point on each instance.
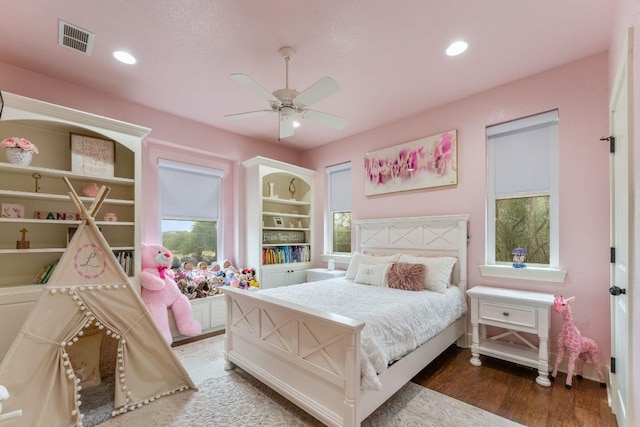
(310, 357)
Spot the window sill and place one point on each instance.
(528, 273)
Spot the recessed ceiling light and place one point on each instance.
(124, 57)
(457, 48)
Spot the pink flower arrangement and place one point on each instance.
(21, 143)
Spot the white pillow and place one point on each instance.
(439, 269)
(373, 274)
(359, 258)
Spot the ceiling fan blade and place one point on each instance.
(249, 114)
(318, 91)
(329, 120)
(254, 87)
(286, 127)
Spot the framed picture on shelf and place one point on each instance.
(278, 221)
(70, 232)
(92, 156)
(12, 210)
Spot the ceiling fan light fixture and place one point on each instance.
(456, 48)
(286, 113)
(288, 103)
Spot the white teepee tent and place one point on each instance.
(87, 290)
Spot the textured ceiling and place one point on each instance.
(387, 56)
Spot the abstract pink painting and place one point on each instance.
(426, 162)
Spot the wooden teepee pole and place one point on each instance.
(87, 214)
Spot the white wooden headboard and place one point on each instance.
(424, 235)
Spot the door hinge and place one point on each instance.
(613, 255)
(612, 143)
(613, 365)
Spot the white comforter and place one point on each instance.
(397, 321)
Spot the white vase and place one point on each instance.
(271, 191)
(18, 156)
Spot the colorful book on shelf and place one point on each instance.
(40, 274)
(125, 259)
(285, 254)
(47, 269)
(50, 269)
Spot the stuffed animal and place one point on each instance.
(159, 292)
(234, 282)
(229, 271)
(216, 269)
(579, 348)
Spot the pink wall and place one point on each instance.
(579, 91)
(174, 138)
(628, 16)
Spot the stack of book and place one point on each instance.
(45, 272)
(125, 259)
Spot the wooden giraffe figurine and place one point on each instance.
(579, 348)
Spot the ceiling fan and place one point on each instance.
(289, 102)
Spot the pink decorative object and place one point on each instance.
(159, 291)
(19, 151)
(90, 189)
(403, 275)
(21, 143)
(580, 348)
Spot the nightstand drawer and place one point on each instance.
(508, 315)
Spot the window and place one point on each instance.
(190, 210)
(522, 205)
(339, 208)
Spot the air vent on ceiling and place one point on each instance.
(75, 38)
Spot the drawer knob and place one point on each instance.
(505, 313)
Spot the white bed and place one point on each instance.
(314, 358)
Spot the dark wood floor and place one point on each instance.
(510, 391)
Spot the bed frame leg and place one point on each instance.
(228, 365)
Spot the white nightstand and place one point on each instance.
(316, 274)
(515, 311)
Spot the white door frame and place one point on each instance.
(621, 167)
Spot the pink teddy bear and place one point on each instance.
(159, 292)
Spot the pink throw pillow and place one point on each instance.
(406, 276)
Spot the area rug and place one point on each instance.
(234, 398)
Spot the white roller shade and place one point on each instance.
(522, 154)
(339, 187)
(189, 191)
